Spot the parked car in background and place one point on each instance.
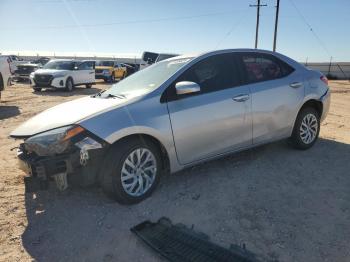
(110, 70)
(172, 115)
(15, 58)
(15, 61)
(130, 68)
(23, 71)
(5, 72)
(64, 74)
(41, 61)
(150, 58)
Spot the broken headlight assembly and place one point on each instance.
(52, 142)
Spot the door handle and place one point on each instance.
(295, 84)
(241, 98)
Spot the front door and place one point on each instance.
(216, 119)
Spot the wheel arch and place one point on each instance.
(313, 103)
(147, 137)
(69, 77)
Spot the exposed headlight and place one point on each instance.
(106, 72)
(52, 142)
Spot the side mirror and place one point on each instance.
(186, 87)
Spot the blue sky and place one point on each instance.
(132, 26)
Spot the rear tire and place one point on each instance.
(69, 85)
(125, 169)
(306, 129)
(37, 89)
(112, 79)
(88, 85)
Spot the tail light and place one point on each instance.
(324, 80)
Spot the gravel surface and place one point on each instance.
(281, 203)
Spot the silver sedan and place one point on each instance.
(172, 115)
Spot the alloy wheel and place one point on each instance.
(138, 172)
(308, 128)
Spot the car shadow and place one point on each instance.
(266, 197)
(8, 111)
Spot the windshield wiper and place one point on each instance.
(98, 94)
(113, 96)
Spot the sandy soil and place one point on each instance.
(282, 203)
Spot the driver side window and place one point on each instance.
(213, 73)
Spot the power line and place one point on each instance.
(235, 26)
(120, 22)
(311, 29)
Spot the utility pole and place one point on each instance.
(258, 5)
(276, 25)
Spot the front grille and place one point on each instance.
(98, 71)
(25, 70)
(43, 80)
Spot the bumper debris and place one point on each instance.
(179, 243)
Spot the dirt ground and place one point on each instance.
(281, 203)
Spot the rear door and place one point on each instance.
(276, 92)
(216, 119)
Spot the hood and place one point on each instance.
(43, 71)
(65, 114)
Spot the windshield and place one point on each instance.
(60, 65)
(104, 63)
(147, 79)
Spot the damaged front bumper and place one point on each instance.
(78, 164)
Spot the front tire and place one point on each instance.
(37, 89)
(131, 171)
(306, 129)
(88, 85)
(69, 85)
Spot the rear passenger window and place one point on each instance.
(262, 67)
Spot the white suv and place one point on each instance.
(64, 74)
(5, 72)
